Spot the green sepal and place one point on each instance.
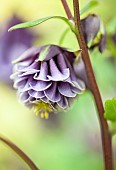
(77, 54)
(43, 53)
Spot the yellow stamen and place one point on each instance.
(46, 115)
(43, 109)
(42, 115)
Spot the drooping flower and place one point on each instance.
(12, 45)
(46, 80)
(94, 32)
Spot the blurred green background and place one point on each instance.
(70, 140)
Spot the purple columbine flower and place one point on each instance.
(12, 45)
(94, 32)
(45, 79)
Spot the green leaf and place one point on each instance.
(77, 54)
(110, 110)
(63, 35)
(88, 6)
(39, 21)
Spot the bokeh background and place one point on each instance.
(70, 140)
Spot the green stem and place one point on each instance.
(19, 152)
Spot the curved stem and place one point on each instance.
(105, 134)
(19, 152)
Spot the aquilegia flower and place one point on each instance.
(45, 79)
(12, 45)
(94, 32)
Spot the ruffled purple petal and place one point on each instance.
(52, 93)
(63, 103)
(76, 90)
(32, 99)
(40, 85)
(65, 89)
(24, 97)
(20, 82)
(29, 72)
(61, 62)
(79, 84)
(45, 99)
(28, 54)
(26, 86)
(30, 66)
(42, 75)
(22, 65)
(70, 100)
(56, 75)
(14, 76)
(36, 94)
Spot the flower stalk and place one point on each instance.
(105, 133)
(19, 152)
(67, 10)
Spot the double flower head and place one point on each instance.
(46, 80)
(49, 78)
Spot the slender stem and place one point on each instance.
(105, 134)
(19, 152)
(67, 10)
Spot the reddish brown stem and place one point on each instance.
(67, 10)
(105, 134)
(19, 152)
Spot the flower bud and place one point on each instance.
(94, 32)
